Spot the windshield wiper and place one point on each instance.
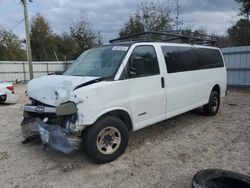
(89, 83)
(77, 75)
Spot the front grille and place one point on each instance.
(38, 103)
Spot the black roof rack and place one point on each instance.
(178, 36)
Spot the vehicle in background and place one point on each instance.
(119, 88)
(7, 94)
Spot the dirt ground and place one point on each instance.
(163, 155)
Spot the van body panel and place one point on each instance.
(191, 89)
(95, 100)
(147, 100)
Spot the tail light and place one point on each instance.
(11, 88)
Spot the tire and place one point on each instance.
(212, 108)
(217, 178)
(2, 98)
(106, 140)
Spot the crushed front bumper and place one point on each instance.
(52, 135)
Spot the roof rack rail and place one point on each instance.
(179, 36)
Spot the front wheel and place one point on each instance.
(106, 140)
(212, 108)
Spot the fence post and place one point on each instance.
(65, 66)
(24, 72)
(47, 67)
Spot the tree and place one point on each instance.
(197, 32)
(225, 41)
(244, 8)
(42, 39)
(240, 32)
(134, 25)
(66, 47)
(151, 16)
(48, 46)
(10, 47)
(177, 9)
(84, 36)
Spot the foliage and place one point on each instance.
(244, 8)
(134, 25)
(47, 45)
(197, 32)
(66, 47)
(10, 47)
(151, 16)
(84, 36)
(240, 32)
(42, 39)
(225, 41)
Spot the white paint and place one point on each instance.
(183, 91)
(120, 48)
(54, 89)
(11, 98)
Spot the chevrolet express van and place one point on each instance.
(115, 89)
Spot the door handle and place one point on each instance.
(162, 82)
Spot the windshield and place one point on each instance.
(98, 62)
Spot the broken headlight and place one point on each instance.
(65, 109)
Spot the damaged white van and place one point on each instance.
(121, 87)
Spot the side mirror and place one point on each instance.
(136, 66)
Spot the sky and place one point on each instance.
(108, 16)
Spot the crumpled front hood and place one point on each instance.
(55, 89)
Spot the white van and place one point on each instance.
(125, 86)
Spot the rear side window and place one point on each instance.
(171, 58)
(209, 58)
(188, 60)
(180, 59)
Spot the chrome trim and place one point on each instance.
(38, 109)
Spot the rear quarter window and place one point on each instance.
(181, 59)
(209, 58)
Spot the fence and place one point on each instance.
(19, 70)
(237, 60)
(238, 66)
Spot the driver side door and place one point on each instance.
(146, 87)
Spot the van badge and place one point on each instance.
(39, 109)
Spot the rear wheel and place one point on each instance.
(106, 140)
(212, 108)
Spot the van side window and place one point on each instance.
(188, 60)
(209, 58)
(143, 62)
(171, 58)
(180, 59)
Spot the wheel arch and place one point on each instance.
(216, 88)
(120, 113)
